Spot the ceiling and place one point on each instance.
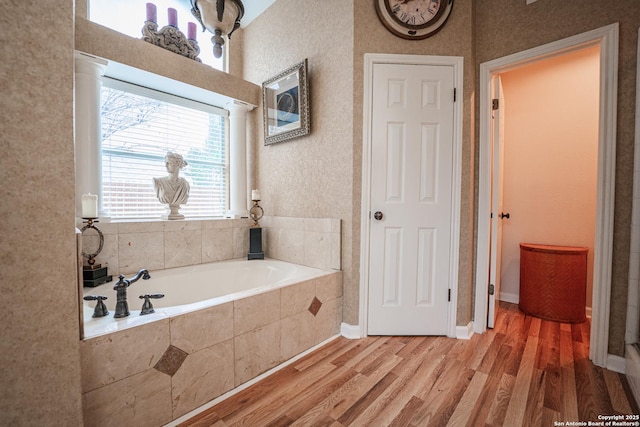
(253, 8)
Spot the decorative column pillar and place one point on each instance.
(238, 191)
(88, 129)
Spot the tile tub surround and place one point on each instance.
(150, 375)
(314, 242)
(157, 245)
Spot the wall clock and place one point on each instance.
(413, 19)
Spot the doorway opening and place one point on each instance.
(604, 39)
(549, 160)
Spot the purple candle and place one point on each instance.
(191, 30)
(152, 13)
(173, 17)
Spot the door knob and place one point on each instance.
(504, 215)
(378, 215)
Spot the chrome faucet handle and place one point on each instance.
(147, 308)
(100, 310)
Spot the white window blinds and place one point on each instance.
(139, 126)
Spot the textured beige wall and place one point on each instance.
(310, 176)
(39, 348)
(293, 170)
(320, 175)
(234, 53)
(519, 27)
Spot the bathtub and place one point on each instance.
(192, 288)
(219, 326)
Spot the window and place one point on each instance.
(139, 126)
(128, 16)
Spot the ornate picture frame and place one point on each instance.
(285, 105)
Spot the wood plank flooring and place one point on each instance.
(525, 372)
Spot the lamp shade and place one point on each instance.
(221, 17)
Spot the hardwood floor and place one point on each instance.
(525, 372)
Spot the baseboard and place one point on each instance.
(509, 297)
(464, 332)
(616, 363)
(351, 332)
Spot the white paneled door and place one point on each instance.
(412, 159)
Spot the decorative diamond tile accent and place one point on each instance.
(314, 308)
(171, 360)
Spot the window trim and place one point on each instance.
(159, 95)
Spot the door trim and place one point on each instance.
(457, 63)
(607, 38)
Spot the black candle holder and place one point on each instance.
(171, 39)
(256, 213)
(255, 232)
(94, 274)
(91, 257)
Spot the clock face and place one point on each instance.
(414, 12)
(413, 19)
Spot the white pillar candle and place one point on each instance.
(89, 206)
(255, 195)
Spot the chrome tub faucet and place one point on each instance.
(122, 306)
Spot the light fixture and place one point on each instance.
(221, 17)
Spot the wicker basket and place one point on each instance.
(553, 282)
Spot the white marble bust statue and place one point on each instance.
(172, 189)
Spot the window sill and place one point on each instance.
(192, 219)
